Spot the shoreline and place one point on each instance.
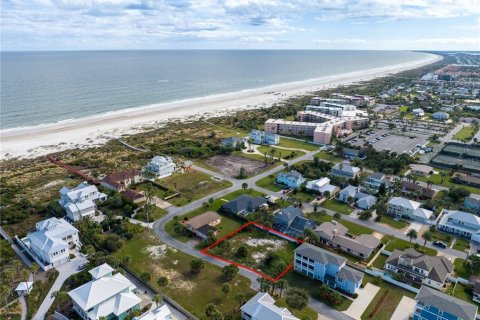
(31, 142)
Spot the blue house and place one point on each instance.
(327, 267)
(292, 179)
(472, 202)
(436, 305)
(292, 222)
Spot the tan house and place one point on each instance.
(420, 170)
(121, 180)
(202, 224)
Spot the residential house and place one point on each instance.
(160, 167)
(364, 201)
(476, 291)
(345, 170)
(353, 154)
(133, 196)
(472, 202)
(80, 202)
(262, 137)
(440, 115)
(406, 208)
(420, 170)
(121, 180)
(329, 268)
(50, 245)
(243, 205)
(292, 222)
(413, 190)
(462, 178)
(292, 179)
(160, 313)
(320, 186)
(106, 296)
(262, 307)
(203, 223)
(461, 224)
(232, 142)
(436, 305)
(347, 195)
(418, 112)
(336, 235)
(374, 181)
(24, 288)
(431, 271)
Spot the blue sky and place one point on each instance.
(240, 24)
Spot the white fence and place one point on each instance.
(385, 276)
(27, 250)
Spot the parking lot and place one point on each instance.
(384, 140)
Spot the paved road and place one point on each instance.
(65, 271)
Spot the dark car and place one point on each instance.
(439, 244)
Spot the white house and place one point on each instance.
(80, 201)
(321, 186)
(418, 112)
(345, 170)
(107, 295)
(262, 307)
(160, 313)
(160, 166)
(403, 207)
(51, 244)
(440, 115)
(461, 224)
(262, 137)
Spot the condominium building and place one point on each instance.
(80, 202)
(160, 167)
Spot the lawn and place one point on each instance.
(193, 185)
(295, 144)
(461, 269)
(228, 223)
(461, 245)
(337, 206)
(380, 261)
(280, 153)
(441, 236)
(269, 183)
(437, 180)
(400, 224)
(389, 305)
(329, 156)
(463, 292)
(400, 244)
(466, 133)
(305, 313)
(403, 109)
(270, 254)
(301, 196)
(150, 255)
(352, 227)
(156, 214)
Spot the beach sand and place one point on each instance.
(29, 142)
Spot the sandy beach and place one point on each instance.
(90, 131)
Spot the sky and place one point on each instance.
(30, 25)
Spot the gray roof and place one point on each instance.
(368, 200)
(351, 191)
(289, 213)
(301, 223)
(346, 168)
(326, 230)
(447, 303)
(377, 176)
(318, 254)
(350, 274)
(243, 202)
(438, 267)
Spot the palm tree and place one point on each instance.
(282, 284)
(412, 234)
(157, 299)
(443, 175)
(272, 154)
(285, 165)
(148, 200)
(427, 236)
(240, 298)
(429, 184)
(34, 269)
(337, 216)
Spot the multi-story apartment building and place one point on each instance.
(461, 224)
(262, 137)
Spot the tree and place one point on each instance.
(427, 236)
(326, 194)
(157, 299)
(226, 288)
(315, 207)
(412, 234)
(296, 298)
(244, 186)
(162, 281)
(230, 271)
(282, 284)
(242, 174)
(210, 309)
(337, 216)
(60, 297)
(145, 276)
(311, 236)
(5, 292)
(127, 259)
(240, 298)
(443, 175)
(242, 251)
(197, 265)
(285, 165)
(34, 269)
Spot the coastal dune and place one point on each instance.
(39, 140)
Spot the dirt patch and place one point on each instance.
(270, 243)
(175, 279)
(377, 235)
(157, 252)
(230, 165)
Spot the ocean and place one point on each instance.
(45, 87)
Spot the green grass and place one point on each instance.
(269, 183)
(463, 292)
(461, 245)
(386, 310)
(380, 261)
(280, 153)
(305, 313)
(441, 236)
(301, 196)
(337, 206)
(228, 223)
(39, 292)
(461, 269)
(466, 133)
(403, 244)
(156, 214)
(403, 109)
(329, 156)
(437, 180)
(400, 224)
(294, 144)
(183, 285)
(352, 227)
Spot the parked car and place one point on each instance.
(439, 244)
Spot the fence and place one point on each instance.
(378, 273)
(27, 250)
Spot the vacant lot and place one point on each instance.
(466, 133)
(296, 144)
(280, 153)
(231, 165)
(337, 206)
(263, 251)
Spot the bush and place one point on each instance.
(297, 298)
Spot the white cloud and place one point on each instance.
(340, 41)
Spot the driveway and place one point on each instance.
(65, 271)
(414, 225)
(404, 309)
(365, 296)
